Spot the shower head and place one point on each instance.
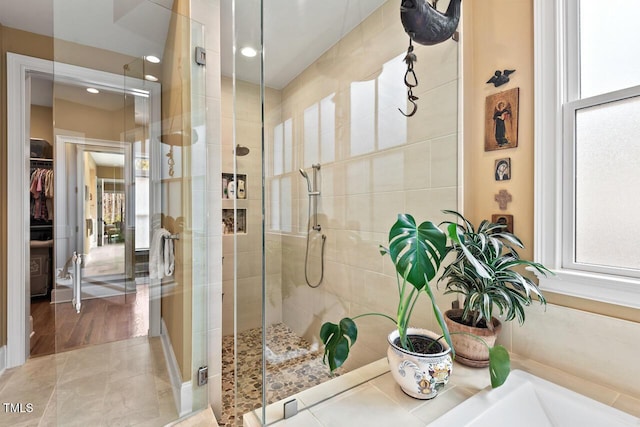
(241, 150)
(305, 176)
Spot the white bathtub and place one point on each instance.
(528, 401)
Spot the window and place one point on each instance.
(587, 152)
(279, 173)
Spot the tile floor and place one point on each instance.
(124, 383)
(292, 366)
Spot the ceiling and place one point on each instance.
(296, 32)
(42, 94)
(119, 25)
(108, 159)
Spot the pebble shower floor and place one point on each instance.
(292, 366)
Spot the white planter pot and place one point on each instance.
(419, 375)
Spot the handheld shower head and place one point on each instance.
(305, 176)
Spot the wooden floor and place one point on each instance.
(59, 328)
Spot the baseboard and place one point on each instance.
(3, 358)
(182, 391)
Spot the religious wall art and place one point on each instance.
(501, 120)
(503, 198)
(502, 169)
(503, 220)
(500, 77)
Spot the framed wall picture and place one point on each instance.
(503, 219)
(501, 120)
(502, 169)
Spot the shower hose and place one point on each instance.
(306, 255)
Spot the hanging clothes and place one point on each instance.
(41, 189)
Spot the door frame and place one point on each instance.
(20, 68)
(66, 219)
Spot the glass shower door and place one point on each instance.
(146, 365)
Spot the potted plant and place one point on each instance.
(483, 272)
(420, 360)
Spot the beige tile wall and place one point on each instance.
(249, 245)
(207, 12)
(361, 195)
(375, 164)
(592, 346)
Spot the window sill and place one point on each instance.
(598, 287)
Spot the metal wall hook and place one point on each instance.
(410, 80)
(411, 99)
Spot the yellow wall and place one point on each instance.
(3, 192)
(28, 44)
(502, 37)
(498, 34)
(92, 122)
(176, 305)
(42, 122)
(90, 207)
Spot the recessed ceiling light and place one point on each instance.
(151, 78)
(248, 51)
(152, 59)
(92, 90)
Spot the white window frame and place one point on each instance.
(556, 57)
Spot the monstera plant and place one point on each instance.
(417, 252)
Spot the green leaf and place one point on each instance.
(336, 344)
(349, 328)
(440, 320)
(416, 250)
(499, 365)
(458, 239)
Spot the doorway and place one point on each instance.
(95, 183)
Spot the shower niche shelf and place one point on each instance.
(239, 186)
(229, 220)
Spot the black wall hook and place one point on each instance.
(410, 79)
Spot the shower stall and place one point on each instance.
(320, 99)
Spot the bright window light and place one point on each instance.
(92, 90)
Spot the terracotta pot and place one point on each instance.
(470, 351)
(419, 375)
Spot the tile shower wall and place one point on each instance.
(248, 124)
(208, 13)
(342, 112)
